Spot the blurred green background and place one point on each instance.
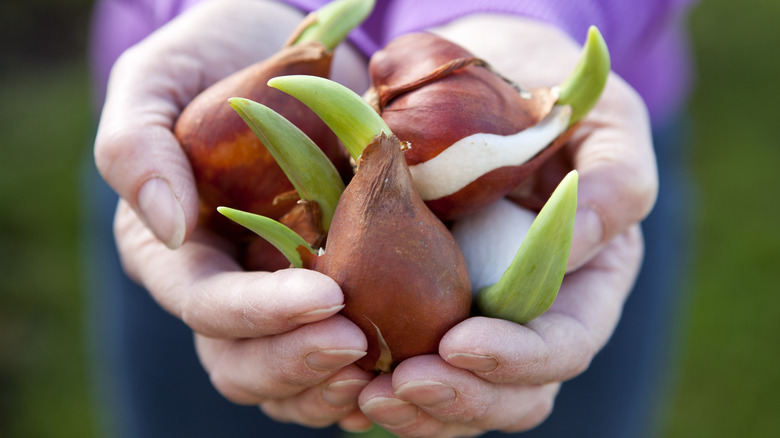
(729, 383)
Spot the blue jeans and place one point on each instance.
(150, 384)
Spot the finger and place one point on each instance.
(379, 403)
(324, 404)
(561, 343)
(458, 397)
(618, 181)
(356, 421)
(201, 284)
(135, 150)
(611, 148)
(143, 163)
(253, 371)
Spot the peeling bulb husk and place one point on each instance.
(230, 164)
(437, 95)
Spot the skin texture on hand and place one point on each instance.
(135, 149)
(269, 339)
(276, 339)
(612, 149)
(492, 374)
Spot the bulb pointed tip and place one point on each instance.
(350, 117)
(583, 88)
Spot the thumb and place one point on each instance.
(146, 167)
(136, 151)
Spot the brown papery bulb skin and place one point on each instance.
(403, 276)
(231, 165)
(446, 108)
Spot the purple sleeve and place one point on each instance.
(118, 24)
(645, 38)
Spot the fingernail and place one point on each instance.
(390, 411)
(588, 236)
(473, 362)
(344, 392)
(315, 315)
(427, 393)
(328, 360)
(162, 212)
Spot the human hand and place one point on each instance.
(492, 374)
(612, 147)
(268, 339)
(496, 375)
(135, 149)
(272, 339)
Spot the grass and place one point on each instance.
(42, 375)
(728, 384)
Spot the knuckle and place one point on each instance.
(323, 415)
(535, 415)
(222, 382)
(621, 98)
(647, 196)
(245, 311)
(578, 366)
(123, 227)
(640, 188)
(124, 158)
(289, 377)
(111, 145)
(307, 409)
(583, 347)
(127, 59)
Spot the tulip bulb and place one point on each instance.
(232, 167)
(403, 276)
(404, 279)
(474, 135)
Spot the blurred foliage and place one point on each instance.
(730, 382)
(43, 31)
(41, 349)
(45, 127)
(728, 386)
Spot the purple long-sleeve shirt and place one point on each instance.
(645, 37)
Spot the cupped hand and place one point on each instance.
(135, 149)
(492, 374)
(270, 339)
(611, 149)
